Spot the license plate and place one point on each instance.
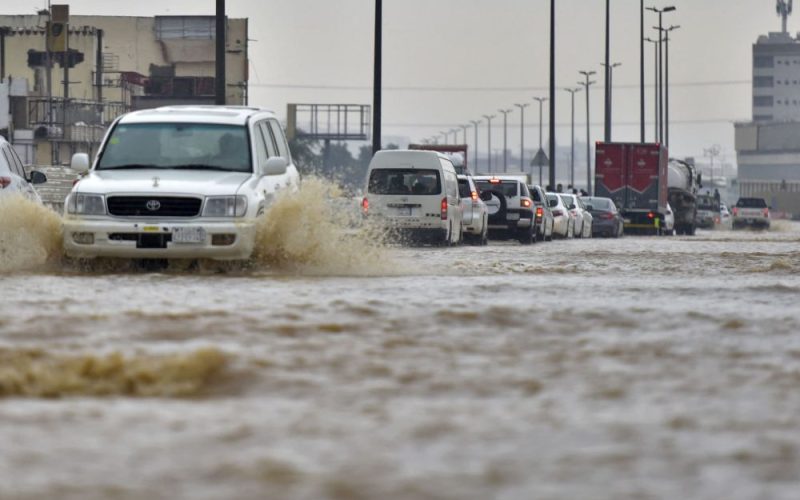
(188, 235)
(404, 211)
(512, 217)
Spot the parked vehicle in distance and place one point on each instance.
(635, 176)
(582, 218)
(668, 229)
(563, 223)
(544, 215)
(606, 219)
(707, 211)
(178, 182)
(13, 179)
(726, 218)
(511, 210)
(751, 212)
(474, 213)
(415, 194)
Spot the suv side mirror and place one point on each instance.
(80, 163)
(38, 177)
(486, 195)
(275, 166)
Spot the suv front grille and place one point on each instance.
(153, 206)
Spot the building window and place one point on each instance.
(763, 81)
(185, 27)
(763, 100)
(763, 62)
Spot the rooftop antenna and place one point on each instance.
(784, 9)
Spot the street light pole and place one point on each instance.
(552, 93)
(666, 83)
(609, 99)
(475, 124)
(489, 119)
(377, 85)
(660, 29)
(541, 100)
(522, 135)
(586, 84)
(505, 137)
(607, 121)
(464, 128)
(572, 92)
(655, 87)
(641, 70)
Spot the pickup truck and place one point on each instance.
(751, 212)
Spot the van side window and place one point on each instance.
(280, 139)
(272, 148)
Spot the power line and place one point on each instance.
(711, 83)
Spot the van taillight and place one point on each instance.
(365, 205)
(474, 195)
(539, 212)
(5, 182)
(444, 208)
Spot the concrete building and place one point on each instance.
(776, 78)
(114, 65)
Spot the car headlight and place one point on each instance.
(225, 206)
(86, 204)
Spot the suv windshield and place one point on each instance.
(177, 145)
(404, 181)
(751, 203)
(509, 189)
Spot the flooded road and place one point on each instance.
(604, 369)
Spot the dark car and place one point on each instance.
(606, 218)
(544, 214)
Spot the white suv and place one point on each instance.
(178, 182)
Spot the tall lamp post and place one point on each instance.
(454, 131)
(541, 100)
(586, 84)
(641, 71)
(377, 84)
(609, 99)
(607, 120)
(552, 93)
(475, 124)
(667, 31)
(464, 128)
(489, 119)
(505, 137)
(656, 64)
(572, 92)
(522, 135)
(660, 29)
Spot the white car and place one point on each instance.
(668, 227)
(415, 195)
(475, 215)
(13, 179)
(578, 215)
(563, 223)
(725, 217)
(178, 182)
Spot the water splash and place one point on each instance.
(312, 232)
(30, 235)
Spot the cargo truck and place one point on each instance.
(683, 184)
(634, 175)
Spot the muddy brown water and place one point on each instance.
(603, 369)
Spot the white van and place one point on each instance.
(416, 194)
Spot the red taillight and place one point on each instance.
(539, 212)
(365, 205)
(716, 220)
(735, 211)
(494, 180)
(526, 203)
(606, 215)
(5, 182)
(651, 215)
(474, 195)
(444, 208)
(766, 212)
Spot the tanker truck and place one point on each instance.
(683, 183)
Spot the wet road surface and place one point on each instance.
(603, 369)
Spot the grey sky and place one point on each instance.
(494, 45)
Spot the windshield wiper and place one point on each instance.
(131, 166)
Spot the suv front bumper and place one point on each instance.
(90, 238)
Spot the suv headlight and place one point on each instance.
(86, 204)
(225, 206)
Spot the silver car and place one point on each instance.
(475, 215)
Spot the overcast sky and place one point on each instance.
(472, 57)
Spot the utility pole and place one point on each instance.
(586, 84)
(641, 70)
(541, 100)
(489, 127)
(610, 100)
(522, 135)
(666, 83)
(552, 92)
(660, 29)
(607, 121)
(505, 137)
(475, 124)
(572, 92)
(377, 78)
(219, 99)
(655, 87)
(464, 128)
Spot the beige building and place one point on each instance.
(116, 64)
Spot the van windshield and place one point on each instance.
(404, 181)
(177, 145)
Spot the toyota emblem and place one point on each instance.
(153, 205)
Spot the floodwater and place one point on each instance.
(335, 369)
